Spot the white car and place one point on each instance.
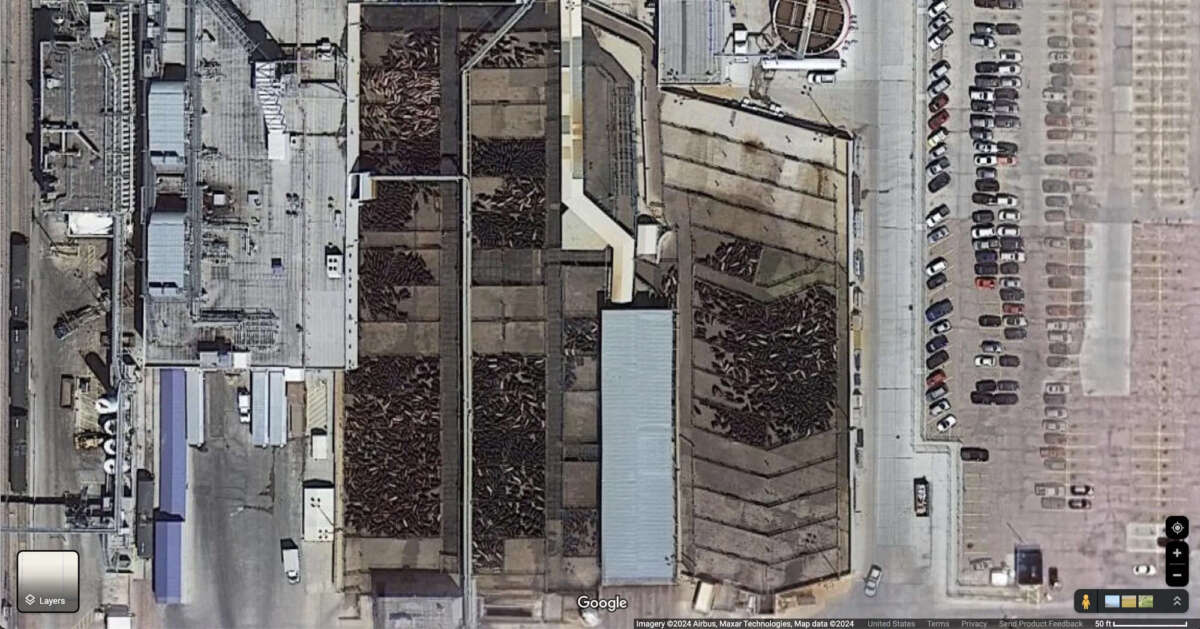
(985, 160)
(1060, 55)
(1005, 199)
(1010, 282)
(939, 407)
(1012, 256)
(1008, 69)
(876, 573)
(1054, 94)
(981, 93)
(982, 41)
(985, 147)
(946, 423)
(937, 137)
(1145, 570)
(1053, 412)
(1057, 388)
(1016, 321)
(938, 7)
(1008, 230)
(985, 360)
(1011, 81)
(983, 231)
(936, 217)
(938, 151)
(822, 77)
(941, 327)
(1009, 215)
(936, 266)
(1010, 55)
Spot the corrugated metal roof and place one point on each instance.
(318, 511)
(195, 407)
(637, 452)
(690, 35)
(168, 561)
(166, 253)
(167, 123)
(277, 411)
(259, 414)
(172, 418)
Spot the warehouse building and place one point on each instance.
(166, 249)
(637, 446)
(167, 122)
(691, 34)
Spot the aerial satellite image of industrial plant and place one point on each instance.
(633, 314)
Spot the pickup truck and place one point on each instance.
(921, 497)
(290, 555)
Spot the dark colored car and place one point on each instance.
(939, 182)
(1010, 360)
(1008, 385)
(938, 119)
(1010, 268)
(1055, 185)
(985, 172)
(985, 386)
(936, 343)
(986, 268)
(937, 310)
(1015, 334)
(1006, 93)
(980, 133)
(1006, 148)
(1009, 4)
(1008, 28)
(990, 321)
(939, 102)
(1058, 41)
(935, 281)
(983, 198)
(1005, 399)
(979, 397)
(986, 67)
(1011, 294)
(987, 185)
(986, 255)
(1008, 122)
(1055, 159)
(987, 80)
(1054, 216)
(1054, 399)
(986, 4)
(974, 454)
(935, 378)
(937, 360)
(1056, 201)
(981, 107)
(981, 217)
(1012, 243)
(983, 28)
(1056, 107)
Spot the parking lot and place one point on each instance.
(1096, 122)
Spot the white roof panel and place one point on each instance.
(637, 449)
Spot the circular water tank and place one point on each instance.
(110, 466)
(110, 447)
(110, 427)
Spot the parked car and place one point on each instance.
(1010, 55)
(1057, 388)
(985, 282)
(1015, 334)
(1009, 268)
(939, 39)
(937, 359)
(935, 378)
(989, 321)
(936, 393)
(1008, 69)
(939, 407)
(986, 268)
(980, 133)
(1079, 503)
(985, 160)
(938, 119)
(939, 102)
(874, 575)
(938, 151)
(1009, 4)
(1083, 490)
(1018, 321)
(1005, 399)
(982, 107)
(935, 266)
(1053, 412)
(979, 397)
(985, 386)
(983, 28)
(1010, 360)
(987, 185)
(982, 120)
(983, 231)
(986, 256)
(938, 7)
(1008, 385)
(938, 86)
(974, 454)
(1006, 200)
(1010, 215)
(1013, 308)
(1012, 294)
(936, 138)
(1145, 570)
(980, 93)
(938, 165)
(1054, 425)
(1008, 28)
(1006, 107)
(939, 182)
(939, 234)
(938, 309)
(987, 80)
(941, 327)
(1008, 122)
(985, 244)
(982, 41)
(985, 360)
(991, 347)
(1008, 230)
(986, 67)
(941, 68)
(936, 281)
(983, 216)
(946, 423)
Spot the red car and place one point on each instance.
(1006, 160)
(939, 119)
(935, 378)
(939, 103)
(1014, 309)
(985, 282)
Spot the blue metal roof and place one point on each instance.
(168, 561)
(172, 433)
(637, 449)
